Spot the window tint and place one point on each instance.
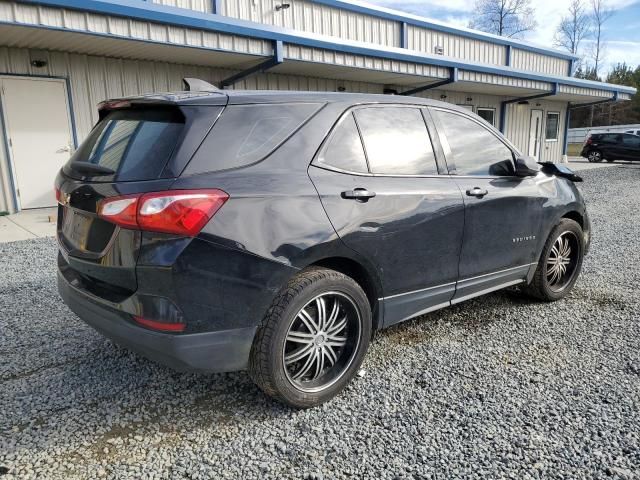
(631, 141)
(245, 134)
(136, 144)
(476, 151)
(396, 141)
(344, 149)
(551, 127)
(487, 114)
(609, 138)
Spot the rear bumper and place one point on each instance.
(219, 351)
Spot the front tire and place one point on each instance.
(313, 338)
(559, 264)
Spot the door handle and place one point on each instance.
(359, 194)
(477, 192)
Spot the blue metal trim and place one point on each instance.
(217, 23)
(404, 35)
(277, 59)
(567, 120)
(216, 7)
(508, 56)
(599, 102)
(503, 104)
(72, 118)
(418, 21)
(453, 78)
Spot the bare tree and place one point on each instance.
(507, 18)
(600, 13)
(573, 28)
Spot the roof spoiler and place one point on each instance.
(197, 85)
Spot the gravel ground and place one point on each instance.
(497, 387)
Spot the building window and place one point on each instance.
(487, 114)
(551, 128)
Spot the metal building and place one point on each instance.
(59, 58)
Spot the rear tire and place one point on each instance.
(313, 338)
(559, 264)
(595, 156)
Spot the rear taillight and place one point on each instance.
(589, 140)
(183, 212)
(160, 326)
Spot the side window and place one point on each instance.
(344, 150)
(396, 141)
(631, 141)
(551, 127)
(487, 114)
(609, 138)
(476, 151)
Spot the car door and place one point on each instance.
(610, 144)
(378, 179)
(503, 213)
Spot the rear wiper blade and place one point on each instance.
(91, 168)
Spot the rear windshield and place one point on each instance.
(135, 144)
(246, 134)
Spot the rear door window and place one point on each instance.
(246, 134)
(344, 148)
(396, 141)
(135, 144)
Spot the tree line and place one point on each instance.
(581, 31)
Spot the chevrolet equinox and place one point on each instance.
(276, 231)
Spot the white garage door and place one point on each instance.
(36, 115)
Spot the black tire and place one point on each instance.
(273, 342)
(543, 286)
(595, 156)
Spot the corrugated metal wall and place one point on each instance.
(426, 40)
(197, 5)
(307, 16)
(536, 62)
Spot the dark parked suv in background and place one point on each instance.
(276, 231)
(611, 146)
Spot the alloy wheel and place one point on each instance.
(562, 261)
(322, 341)
(595, 156)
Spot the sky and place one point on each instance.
(622, 31)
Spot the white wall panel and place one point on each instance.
(425, 40)
(308, 16)
(197, 5)
(536, 62)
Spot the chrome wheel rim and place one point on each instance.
(562, 261)
(321, 342)
(594, 156)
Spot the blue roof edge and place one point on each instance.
(147, 11)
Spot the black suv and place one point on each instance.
(276, 231)
(611, 146)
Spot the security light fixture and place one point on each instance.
(283, 6)
(38, 63)
(469, 99)
(443, 97)
(438, 50)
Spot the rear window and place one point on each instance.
(246, 134)
(135, 144)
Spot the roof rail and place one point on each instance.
(197, 85)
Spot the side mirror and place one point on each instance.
(527, 167)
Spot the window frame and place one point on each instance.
(448, 153)
(488, 109)
(431, 131)
(546, 120)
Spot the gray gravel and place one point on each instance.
(497, 387)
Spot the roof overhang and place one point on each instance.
(303, 53)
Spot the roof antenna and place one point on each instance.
(197, 85)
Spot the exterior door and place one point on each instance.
(503, 213)
(535, 133)
(392, 207)
(36, 116)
